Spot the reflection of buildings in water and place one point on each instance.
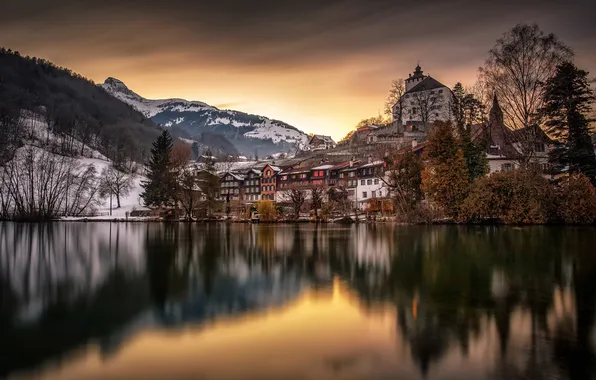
(372, 246)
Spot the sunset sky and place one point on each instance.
(318, 65)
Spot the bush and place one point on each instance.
(266, 210)
(576, 200)
(515, 197)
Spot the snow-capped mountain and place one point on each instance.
(248, 133)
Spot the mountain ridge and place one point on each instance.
(250, 134)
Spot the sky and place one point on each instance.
(319, 65)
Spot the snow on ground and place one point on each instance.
(37, 128)
(39, 134)
(128, 203)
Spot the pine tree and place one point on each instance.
(567, 100)
(156, 189)
(466, 110)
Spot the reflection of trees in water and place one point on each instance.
(443, 285)
(61, 286)
(447, 284)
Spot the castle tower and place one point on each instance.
(416, 78)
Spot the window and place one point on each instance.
(507, 167)
(440, 91)
(303, 176)
(369, 182)
(364, 194)
(436, 114)
(539, 147)
(376, 181)
(351, 174)
(414, 110)
(373, 194)
(362, 182)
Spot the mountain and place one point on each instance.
(72, 106)
(249, 134)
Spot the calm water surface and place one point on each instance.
(152, 301)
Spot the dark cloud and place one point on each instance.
(355, 47)
(285, 32)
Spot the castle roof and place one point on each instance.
(428, 83)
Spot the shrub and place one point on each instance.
(515, 197)
(266, 209)
(576, 200)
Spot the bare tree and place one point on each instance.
(394, 104)
(39, 185)
(427, 105)
(187, 191)
(394, 101)
(316, 199)
(516, 70)
(296, 197)
(115, 182)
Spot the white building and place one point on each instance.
(371, 183)
(425, 101)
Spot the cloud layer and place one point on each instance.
(320, 65)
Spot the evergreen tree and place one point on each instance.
(156, 189)
(567, 101)
(466, 110)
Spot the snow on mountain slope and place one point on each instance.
(147, 107)
(247, 133)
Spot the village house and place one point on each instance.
(506, 147)
(252, 185)
(425, 101)
(321, 142)
(269, 182)
(370, 183)
(232, 186)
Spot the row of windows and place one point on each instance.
(268, 180)
(373, 194)
(369, 182)
(229, 191)
(252, 182)
(253, 190)
(432, 92)
(229, 184)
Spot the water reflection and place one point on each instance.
(101, 300)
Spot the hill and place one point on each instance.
(71, 105)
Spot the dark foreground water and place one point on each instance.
(152, 301)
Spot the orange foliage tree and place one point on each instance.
(445, 180)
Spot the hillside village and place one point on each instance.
(443, 153)
(358, 164)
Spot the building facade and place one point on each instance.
(269, 182)
(425, 101)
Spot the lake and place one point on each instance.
(216, 301)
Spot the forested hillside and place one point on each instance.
(72, 107)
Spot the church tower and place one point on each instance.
(413, 80)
